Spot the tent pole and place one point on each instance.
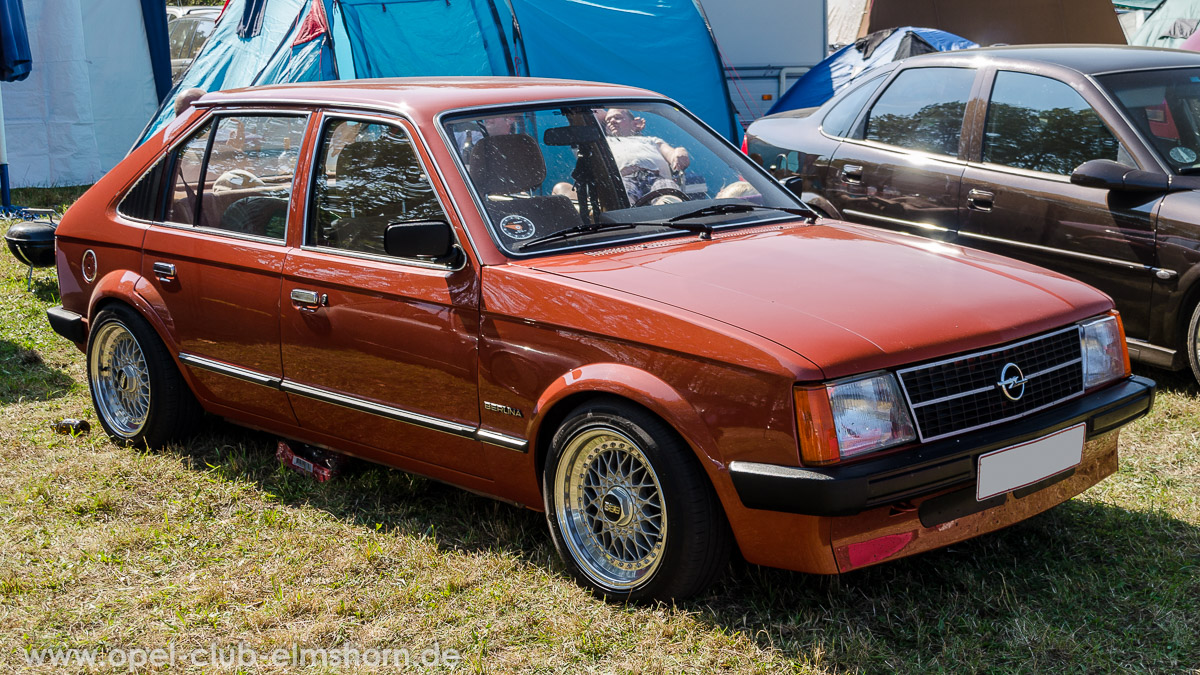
(5, 197)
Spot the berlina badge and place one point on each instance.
(502, 409)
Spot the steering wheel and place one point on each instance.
(652, 195)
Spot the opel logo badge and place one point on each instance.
(1012, 382)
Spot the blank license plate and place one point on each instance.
(1015, 467)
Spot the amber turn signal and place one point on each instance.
(814, 419)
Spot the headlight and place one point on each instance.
(851, 417)
(1105, 356)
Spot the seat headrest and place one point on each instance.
(507, 164)
(359, 154)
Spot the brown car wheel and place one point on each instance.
(630, 509)
(1192, 343)
(138, 393)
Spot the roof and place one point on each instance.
(428, 96)
(1086, 59)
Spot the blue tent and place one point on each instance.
(838, 70)
(665, 46)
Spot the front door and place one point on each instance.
(901, 167)
(1019, 200)
(379, 350)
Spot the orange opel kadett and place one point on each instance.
(575, 297)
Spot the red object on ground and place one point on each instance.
(321, 465)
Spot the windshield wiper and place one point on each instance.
(705, 230)
(724, 209)
(576, 231)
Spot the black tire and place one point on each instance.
(665, 506)
(1191, 342)
(139, 395)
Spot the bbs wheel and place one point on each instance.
(1192, 343)
(139, 396)
(630, 509)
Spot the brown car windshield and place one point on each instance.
(555, 178)
(1165, 107)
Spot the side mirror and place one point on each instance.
(795, 184)
(424, 239)
(1110, 175)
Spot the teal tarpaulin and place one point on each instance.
(664, 46)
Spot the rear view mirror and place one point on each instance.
(424, 239)
(573, 135)
(1110, 175)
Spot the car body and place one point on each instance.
(1015, 123)
(188, 31)
(389, 268)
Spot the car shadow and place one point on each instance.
(1125, 578)
(1177, 381)
(24, 376)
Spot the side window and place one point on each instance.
(185, 179)
(1040, 124)
(141, 202)
(922, 109)
(248, 175)
(839, 118)
(368, 177)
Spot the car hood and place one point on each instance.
(849, 298)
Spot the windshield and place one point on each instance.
(1165, 106)
(591, 176)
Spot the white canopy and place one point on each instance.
(88, 96)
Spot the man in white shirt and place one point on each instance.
(647, 163)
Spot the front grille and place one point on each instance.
(962, 393)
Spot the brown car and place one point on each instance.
(1075, 158)
(473, 280)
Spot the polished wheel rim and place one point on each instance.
(610, 508)
(120, 379)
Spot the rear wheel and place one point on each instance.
(139, 395)
(631, 511)
(1192, 343)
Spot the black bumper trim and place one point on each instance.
(858, 486)
(67, 324)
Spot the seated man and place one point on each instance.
(646, 163)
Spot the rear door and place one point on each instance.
(379, 350)
(1018, 200)
(902, 165)
(216, 255)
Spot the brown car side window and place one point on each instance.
(248, 174)
(368, 177)
(185, 178)
(1040, 124)
(922, 109)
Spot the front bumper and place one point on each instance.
(856, 487)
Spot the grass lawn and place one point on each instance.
(211, 542)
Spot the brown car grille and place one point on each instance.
(963, 393)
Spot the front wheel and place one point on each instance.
(138, 393)
(630, 509)
(1192, 343)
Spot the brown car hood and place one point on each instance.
(848, 298)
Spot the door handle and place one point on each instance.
(164, 271)
(309, 301)
(852, 173)
(980, 200)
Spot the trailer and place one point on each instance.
(765, 45)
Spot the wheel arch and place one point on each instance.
(129, 288)
(630, 385)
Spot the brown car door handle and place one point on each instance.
(852, 173)
(980, 200)
(164, 271)
(307, 300)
